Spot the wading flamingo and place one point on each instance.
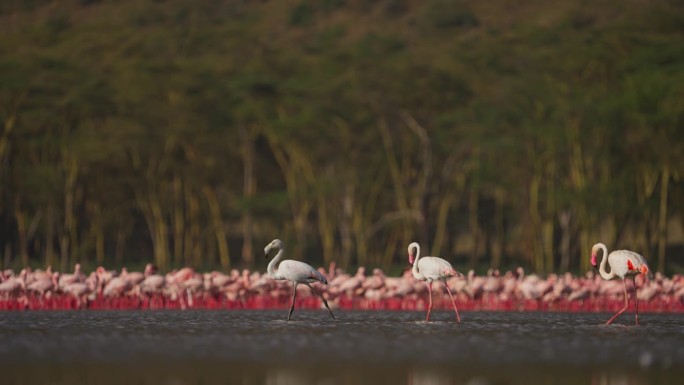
(295, 271)
(622, 263)
(428, 269)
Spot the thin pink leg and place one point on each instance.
(452, 301)
(323, 299)
(294, 295)
(636, 302)
(430, 306)
(624, 308)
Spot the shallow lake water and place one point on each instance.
(359, 347)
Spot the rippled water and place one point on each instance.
(252, 347)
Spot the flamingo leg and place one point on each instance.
(452, 301)
(324, 301)
(624, 282)
(636, 302)
(429, 285)
(294, 295)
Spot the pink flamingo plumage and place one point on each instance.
(428, 269)
(622, 264)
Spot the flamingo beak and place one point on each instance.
(593, 259)
(411, 259)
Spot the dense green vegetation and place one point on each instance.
(495, 133)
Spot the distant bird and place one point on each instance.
(295, 271)
(428, 269)
(622, 263)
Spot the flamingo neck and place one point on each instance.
(272, 271)
(415, 261)
(602, 267)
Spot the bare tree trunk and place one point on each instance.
(425, 173)
(473, 203)
(152, 211)
(498, 239)
(360, 239)
(178, 220)
(345, 226)
(49, 235)
(4, 139)
(564, 223)
(190, 223)
(97, 230)
(586, 243)
(391, 249)
(362, 216)
(547, 242)
(326, 228)
(662, 218)
(400, 193)
(21, 232)
(7, 256)
(300, 204)
(69, 234)
(195, 254)
(219, 228)
(536, 225)
(248, 192)
(122, 232)
(442, 216)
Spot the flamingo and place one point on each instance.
(622, 263)
(428, 269)
(295, 271)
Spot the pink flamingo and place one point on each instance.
(41, 286)
(118, 286)
(428, 269)
(151, 286)
(295, 271)
(78, 290)
(13, 285)
(67, 279)
(622, 263)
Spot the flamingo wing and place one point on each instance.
(623, 262)
(299, 272)
(434, 268)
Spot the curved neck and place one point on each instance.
(415, 261)
(602, 268)
(272, 271)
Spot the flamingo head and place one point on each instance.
(275, 244)
(150, 269)
(594, 253)
(412, 251)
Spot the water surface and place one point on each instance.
(253, 347)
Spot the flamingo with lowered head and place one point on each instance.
(295, 271)
(622, 264)
(428, 269)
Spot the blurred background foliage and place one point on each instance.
(495, 133)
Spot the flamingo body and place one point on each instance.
(433, 269)
(625, 262)
(299, 272)
(295, 271)
(429, 269)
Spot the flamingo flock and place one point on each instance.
(187, 288)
